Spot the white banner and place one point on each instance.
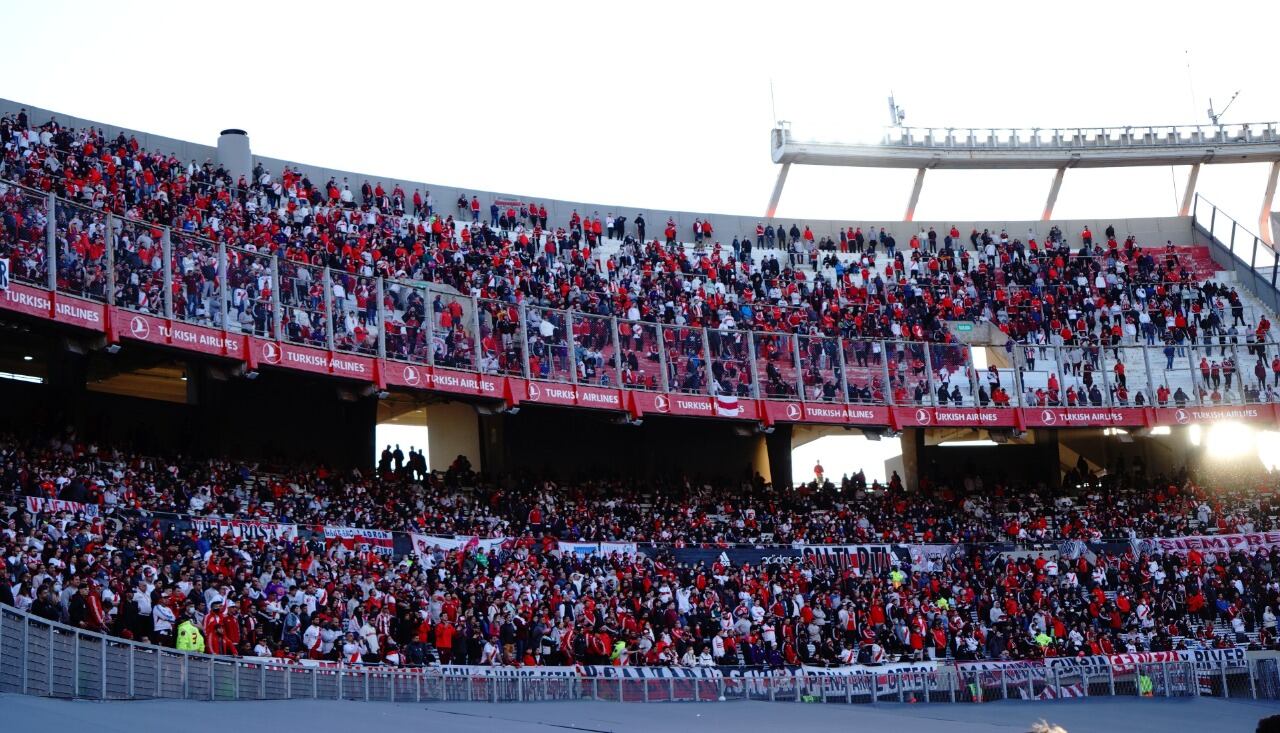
(580, 548)
(622, 548)
(246, 529)
(380, 541)
(36, 504)
(424, 543)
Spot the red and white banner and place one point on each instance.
(423, 544)
(37, 504)
(380, 541)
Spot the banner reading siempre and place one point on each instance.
(1248, 541)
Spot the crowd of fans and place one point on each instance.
(132, 571)
(1067, 299)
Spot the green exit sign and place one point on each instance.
(962, 327)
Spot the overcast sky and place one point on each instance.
(662, 104)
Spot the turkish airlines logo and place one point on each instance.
(271, 352)
(1048, 417)
(793, 411)
(139, 328)
(922, 416)
(411, 376)
(1181, 416)
(661, 403)
(535, 392)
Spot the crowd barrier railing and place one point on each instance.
(44, 658)
(134, 281)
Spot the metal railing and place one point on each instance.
(1254, 261)
(1073, 138)
(40, 657)
(189, 279)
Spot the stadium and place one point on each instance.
(293, 442)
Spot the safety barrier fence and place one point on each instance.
(39, 657)
(134, 282)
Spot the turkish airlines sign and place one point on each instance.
(1236, 413)
(141, 327)
(942, 417)
(552, 393)
(421, 376)
(832, 413)
(1068, 417)
(315, 361)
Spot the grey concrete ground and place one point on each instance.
(20, 713)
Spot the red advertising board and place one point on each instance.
(79, 312)
(153, 330)
(1264, 415)
(558, 393)
(943, 417)
(832, 413)
(27, 300)
(1082, 417)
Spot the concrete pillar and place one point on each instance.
(911, 440)
(1054, 188)
(454, 430)
(915, 196)
(777, 191)
(1189, 193)
(779, 447)
(1264, 219)
(234, 153)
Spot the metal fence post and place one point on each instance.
(277, 315)
(166, 247)
(1222, 671)
(132, 667)
(755, 371)
(874, 684)
(1164, 675)
(224, 304)
(331, 322)
(235, 680)
(288, 683)
(617, 352)
(795, 354)
(664, 383)
(75, 665)
(262, 682)
(1253, 683)
(315, 684)
(522, 320)
(710, 372)
(186, 676)
(365, 673)
(48, 667)
(51, 243)
(1004, 679)
(382, 327)
(102, 686)
(1111, 681)
(477, 351)
(110, 248)
(26, 653)
(341, 695)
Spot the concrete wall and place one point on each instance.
(453, 429)
(1151, 231)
